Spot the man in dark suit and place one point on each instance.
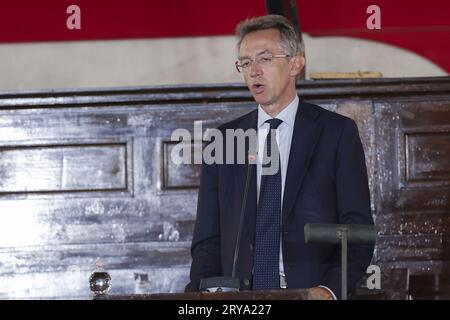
(321, 178)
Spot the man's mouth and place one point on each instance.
(258, 88)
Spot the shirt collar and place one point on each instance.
(287, 115)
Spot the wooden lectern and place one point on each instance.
(99, 283)
(283, 294)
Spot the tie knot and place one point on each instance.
(274, 123)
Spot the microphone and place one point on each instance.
(251, 160)
(332, 233)
(226, 284)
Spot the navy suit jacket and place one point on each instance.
(326, 182)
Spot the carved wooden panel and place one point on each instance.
(414, 189)
(183, 174)
(427, 157)
(62, 168)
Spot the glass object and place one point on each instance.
(99, 281)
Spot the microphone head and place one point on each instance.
(252, 158)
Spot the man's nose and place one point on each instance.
(255, 69)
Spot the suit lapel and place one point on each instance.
(304, 139)
(249, 122)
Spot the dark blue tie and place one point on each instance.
(267, 237)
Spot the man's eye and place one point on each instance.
(245, 64)
(265, 59)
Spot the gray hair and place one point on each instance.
(290, 41)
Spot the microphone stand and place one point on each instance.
(251, 160)
(340, 234)
(222, 283)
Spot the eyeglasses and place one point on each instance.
(262, 60)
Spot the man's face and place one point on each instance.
(272, 83)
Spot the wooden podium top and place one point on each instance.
(284, 294)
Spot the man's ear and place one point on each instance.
(298, 63)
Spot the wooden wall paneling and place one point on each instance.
(86, 176)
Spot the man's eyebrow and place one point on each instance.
(260, 53)
(264, 52)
